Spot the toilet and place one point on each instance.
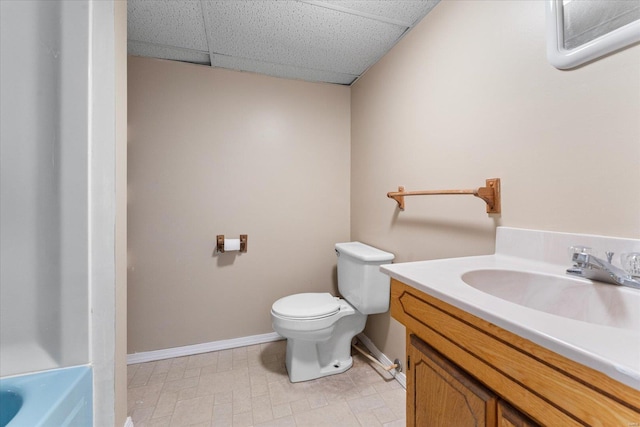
(319, 327)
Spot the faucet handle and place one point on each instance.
(578, 250)
(581, 259)
(609, 256)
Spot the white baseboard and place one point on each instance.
(382, 358)
(189, 350)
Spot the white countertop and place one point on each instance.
(611, 350)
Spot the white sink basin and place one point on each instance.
(564, 296)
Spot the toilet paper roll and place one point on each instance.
(231, 245)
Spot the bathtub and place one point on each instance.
(57, 398)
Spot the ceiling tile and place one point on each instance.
(292, 33)
(167, 22)
(404, 11)
(284, 71)
(167, 52)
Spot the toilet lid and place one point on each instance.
(306, 306)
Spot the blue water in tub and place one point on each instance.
(56, 398)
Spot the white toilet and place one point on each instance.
(319, 327)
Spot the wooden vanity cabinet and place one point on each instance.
(442, 395)
(463, 370)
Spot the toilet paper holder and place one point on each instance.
(220, 243)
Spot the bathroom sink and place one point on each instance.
(523, 289)
(577, 299)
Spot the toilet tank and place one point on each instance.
(360, 281)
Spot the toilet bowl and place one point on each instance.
(319, 327)
(318, 342)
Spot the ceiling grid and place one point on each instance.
(333, 41)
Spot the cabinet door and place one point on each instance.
(510, 417)
(439, 394)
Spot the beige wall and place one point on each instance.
(213, 152)
(469, 95)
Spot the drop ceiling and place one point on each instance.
(332, 41)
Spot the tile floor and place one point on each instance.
(248, 386)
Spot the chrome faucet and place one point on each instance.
(594, 268)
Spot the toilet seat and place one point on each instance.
(306, 306)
